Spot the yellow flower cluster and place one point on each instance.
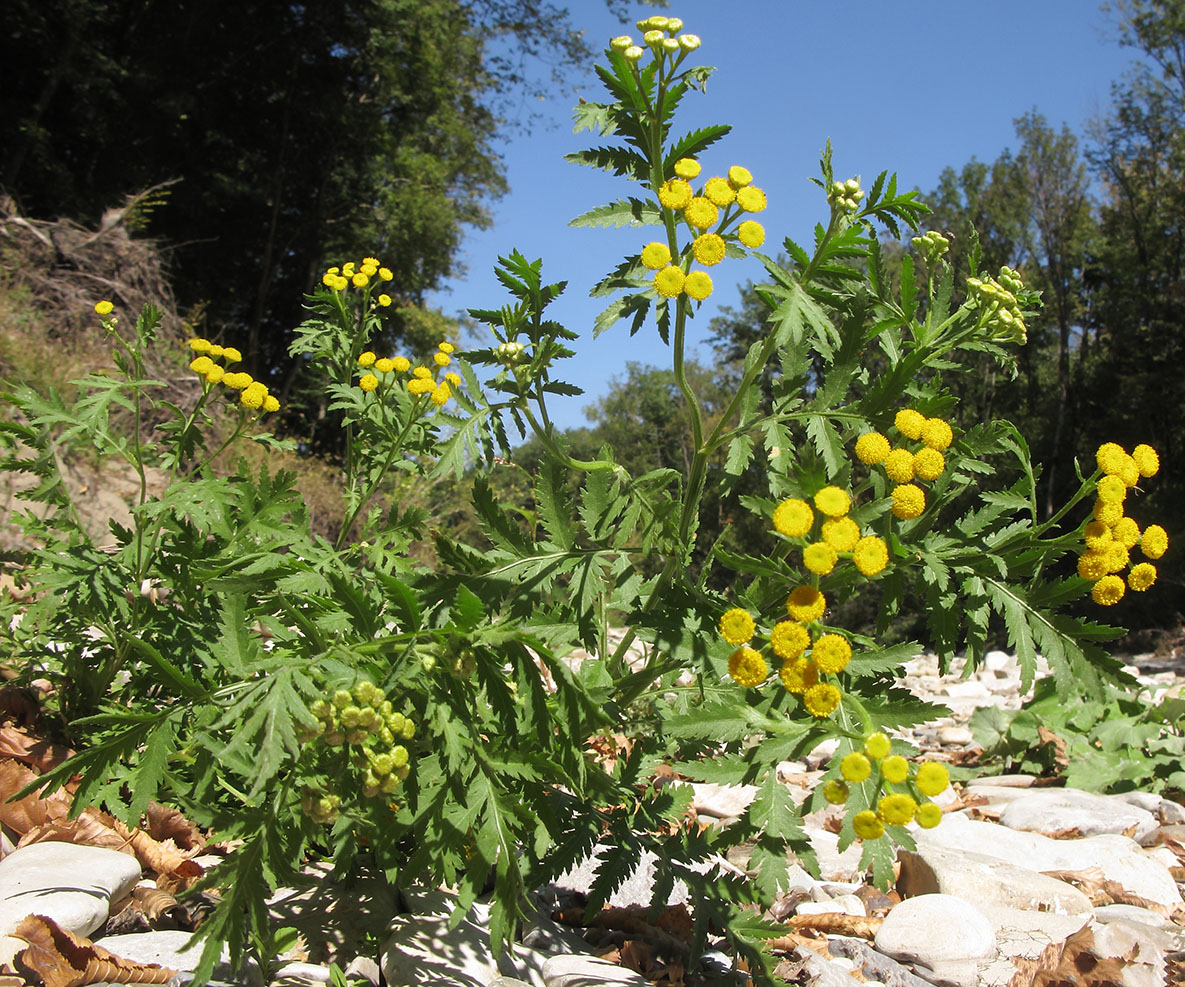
(894, 807)
(253, 394)
(838, 534)
(365, 720)
(422, 381)
(661, 35)
(359, 275)
(735, 194)
(903, 466)
(999, 308)
(1111, 535)
(931, 245)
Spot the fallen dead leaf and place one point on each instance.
(61, 959)
(1046, 737)
(31, 811)
(1093, 883)
(38, 754)
(1081, 966)
(166, 823)
(20, 705)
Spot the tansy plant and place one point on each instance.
(312, 698)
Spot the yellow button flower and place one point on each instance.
(819, 558)
(1107, 591)
(751, 198)
(835, 791)
(831, 654)
(231, 355)
(453, 379)
(446, 347)
(401, 364)
(1096, 534)
(441, 359)
(1110, 456)
(384, 300)
(385, 273)
(719, 192)
(937, 434)
(910, 423)
(271, 404)
(897, 809)
(656, 255)
(689, 42)
(1154, 542)
(1092, 565)
(793, 518)
(833, 501)
(798, 675)
(674, 193)
(366, 359)
(215, 374)
(368, 382)
(855, 767)
(1109, 512)
(698, 285)
(866, 826)
(420, 386)
(909, 501)
(747, 667)
(1147, 461)
(1126, 532)
(422, 372)
(736, 626)
(928, 464)
(441, 395)
(895, 769)
(669, 282)
(199, 345)
(841, 533)
(384, 365)
(788, 639)
(1111, 488)
(700, 213)
(687, 168)
(806, 604)
(899, 465)
(201, 365)
(821, 700)
(932, 778)
(877, 746)
(103, 307)
(708, 249)
(929, 815)
(739, 177)
(872, 447)
(871, 555)
(1142, 576)
(360, 280)
(751, 233)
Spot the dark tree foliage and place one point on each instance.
(302, 134)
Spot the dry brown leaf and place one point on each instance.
(840, 924)
(1093, 883)
(166, 823)
(1046, 737)
(1081, 966)
(61, 959)
(40, 755)
(89, 828)
(160, 857)
(32, 810)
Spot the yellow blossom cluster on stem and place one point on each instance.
(904, 465)
(660, 35)
(715, 216)
(1111, 535)
(252, 394)
(838, 535)
(377, 373)
(901, 796)
(364, 275)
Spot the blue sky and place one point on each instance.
(910, 86)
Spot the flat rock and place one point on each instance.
(72, 884)
(984, 880)
(1058, 810)
(1129, 913)
(833, 865)
(873, 965)
(167, 948)
(422, 949)
(908, 932)
(1116, 858)
(588, 971)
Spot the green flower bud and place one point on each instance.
(389, 784)
(621, 42)
(351, 716)
(342, 698)
(398, 756)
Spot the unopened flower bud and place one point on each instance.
(633, 53)
(689, 42)
(674, 25)
(621, 42)
(670, 44)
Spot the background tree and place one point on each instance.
(300, 132)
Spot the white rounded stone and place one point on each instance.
(933, 928)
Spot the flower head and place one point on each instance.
(736, 626)
(453, 379)
(719, 192)
(895, 769)
(231, 355)
(700, 213)
(841, 533)
(908, 501)
(1092, 565)
(669, 281)
(821, 700)
(656, 255)
(1142, 576)
(806, 604)
(798, 675)
(401, 364)
(866, 826)
(104, 307)
(872, 447)
(366, 359)
(910, 423)
(877, 746)
(855, 767)
(788, 639)
(835, 791)
(871, 555)
(937, 434)
(368, 382)
(1096, 534)
(441, 395)
(1107, 591)
(441, 359)
(708, 249)
(674, 193)
(928, 464)
(215, 374)
(1147, 461)
(793, 518)
(1110, 456)
(833, 501)
(819, 558)
(899, 465)
(897, 809)
(747, 667)
(1154, 542)
(386, 274)
(360, 280)
(198, 344)
(932, 778)
(751, 198)
(831, 653)
(384, 365)
(698, 285)
(689, 42)
(929, 815)
(751, 233)
(1109, 512)
(384, 300)
(1126, 532)
(739, 177)
(1111, 489)
(419, 386)
(201, 365)
(687, 168)
(271, 404)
